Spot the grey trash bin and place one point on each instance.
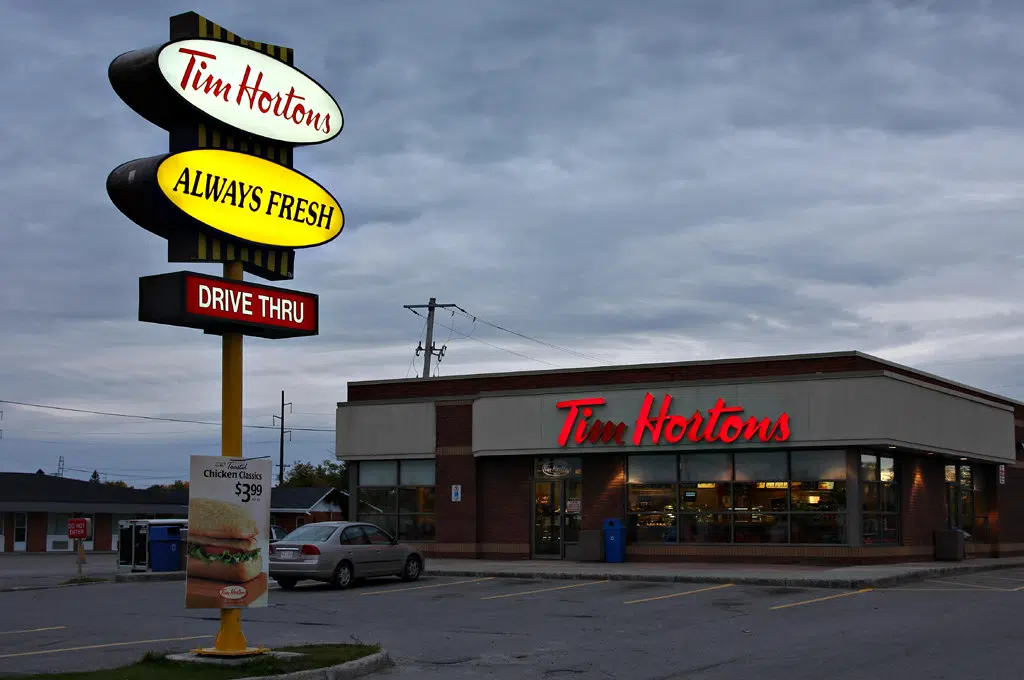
(950, 545)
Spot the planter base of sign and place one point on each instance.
(219, 305)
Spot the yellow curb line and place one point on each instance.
(385, 591)
(822, 599)
(681, 594)
(544, 590)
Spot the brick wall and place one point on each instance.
(456, 522)
(922, 499)
(1010, 503)
(102, 531)
(604, 489)
(290, 521)
(454, 424)
(504, 488)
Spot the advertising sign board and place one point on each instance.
(235, 85)
(220, 305)
(228, 532)
(245, 197)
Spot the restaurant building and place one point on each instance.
(820, 458)
(35, 509)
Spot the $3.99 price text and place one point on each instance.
(246, 492)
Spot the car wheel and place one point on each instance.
(412, 569)
(342, 575)
(286, 583)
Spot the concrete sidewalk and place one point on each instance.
(767, 574)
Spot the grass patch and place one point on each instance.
(156, 667)
(78, 580)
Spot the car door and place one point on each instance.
(355, 546)
(390, 557)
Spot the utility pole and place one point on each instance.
(280, 472)
(60, 467)
(430, 350)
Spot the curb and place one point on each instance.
(21, 589)
(833, 583)
(149, 576)
(344, 671)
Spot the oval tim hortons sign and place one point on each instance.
(242, 196)
(235, 85)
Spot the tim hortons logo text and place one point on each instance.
(200, 76)
(722, 423)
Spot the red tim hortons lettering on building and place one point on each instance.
(721, 423)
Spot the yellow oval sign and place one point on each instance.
(250, 198)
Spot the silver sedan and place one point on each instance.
(339, 553)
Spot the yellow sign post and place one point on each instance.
(230, 638)
(226, 192)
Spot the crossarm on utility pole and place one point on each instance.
(429, 350)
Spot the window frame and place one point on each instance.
(390, 521)
(975, 491)
(879, 513)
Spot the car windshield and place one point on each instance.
(310, 533)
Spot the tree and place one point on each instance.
(328, 473)
(176, 485)
(118, 483)
(95, 478)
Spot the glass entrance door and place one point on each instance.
(547, 518)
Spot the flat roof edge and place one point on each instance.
(709, 362)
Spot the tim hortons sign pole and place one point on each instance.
(235, 110)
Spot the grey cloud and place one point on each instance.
(671, 181)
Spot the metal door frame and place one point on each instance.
(533, 518)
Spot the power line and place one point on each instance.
(489, 344)
(156, 418)
(532, 339)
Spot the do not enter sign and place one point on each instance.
(79, 527)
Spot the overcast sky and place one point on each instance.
(649, 181)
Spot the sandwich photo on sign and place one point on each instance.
(225, 565)
(228, 533)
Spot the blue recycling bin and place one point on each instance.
(165, 548)
(614, 541)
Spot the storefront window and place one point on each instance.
(879, 500)
(57, 523)
(818, 497)
(761, 498)
(966, 501)
(748, 497)
(398, 496)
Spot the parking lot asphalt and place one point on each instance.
(957, 627)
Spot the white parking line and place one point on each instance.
(31, 630)
(109, 644)
(542, 590)
(964, 584)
